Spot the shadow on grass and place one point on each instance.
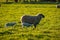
(30, 39)
(47, 32)
(32, 36)
(39, 36)
(7, 2)
(5, 33)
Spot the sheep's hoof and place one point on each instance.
(19, 22)
(34, 28)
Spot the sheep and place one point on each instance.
(10, 24)
(27, 20)
(58, 6)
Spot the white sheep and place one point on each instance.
(27, 20)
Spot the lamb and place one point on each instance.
(10, 24)
(27, 20)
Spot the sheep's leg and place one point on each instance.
(34, 25)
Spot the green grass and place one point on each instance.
(47, 29)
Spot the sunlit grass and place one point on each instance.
(47, 29)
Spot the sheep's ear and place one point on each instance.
(43, 16)
(39, 14)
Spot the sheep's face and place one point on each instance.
(41, 15)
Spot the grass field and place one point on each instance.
(47, 29)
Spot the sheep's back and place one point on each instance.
(28, 19)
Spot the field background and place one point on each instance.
(47, 29)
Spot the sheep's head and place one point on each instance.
(41, 15)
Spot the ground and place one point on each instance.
(47, 29)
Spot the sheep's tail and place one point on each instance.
(20, 20)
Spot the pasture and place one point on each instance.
(47, 29)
